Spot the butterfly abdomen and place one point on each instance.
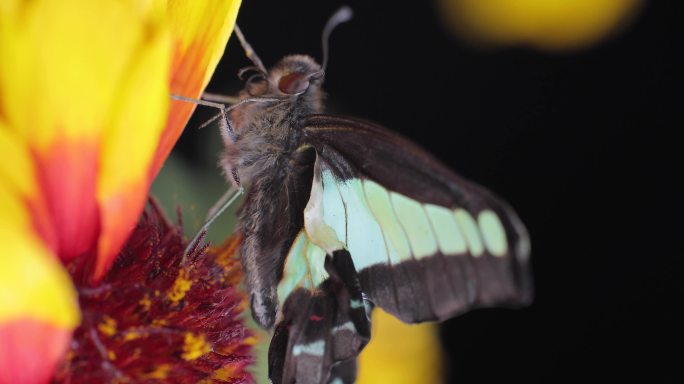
(269, 223)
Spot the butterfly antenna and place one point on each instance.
(342, 15)
(249, 52)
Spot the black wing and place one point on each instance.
(462, 246)
(385, 221)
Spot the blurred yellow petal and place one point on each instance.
(200, 32)
(38, 307)
(401, 353)
(63, 64)
(142, 102)
(84, 88)
(545, 24)
(17, 175)
(32, 282)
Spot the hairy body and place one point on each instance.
(269, 159)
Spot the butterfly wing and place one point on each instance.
(426, 243)
(386, 224)
(323, 322)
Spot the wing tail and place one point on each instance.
(322, 330)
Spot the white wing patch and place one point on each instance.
(413, 219)
(447, 230)
(316, 348)
(326, 226)
(381, 207)
(304, 267)
(364, 236)
(378, 226)
(334, 213)
(469, 226)
(493, 233)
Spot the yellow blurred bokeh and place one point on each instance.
(545, 24)
(401, 353)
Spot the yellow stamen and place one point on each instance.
(107, 326)
(195, 346)
(180, 287)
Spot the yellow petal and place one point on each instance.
(400, 353)
(546, 24)
(63, 64)
(16, 173)
(128, 144)
(33, 283)
(84, 89)
(38, 306)
(139, 106)
(200, 32)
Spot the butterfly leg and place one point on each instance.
(225, 201)
(224, 99)
(218, 101)
(226, 125)
(220, 205)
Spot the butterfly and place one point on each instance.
(342, 215)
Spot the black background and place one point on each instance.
(582, 144)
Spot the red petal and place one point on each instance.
(30, 351)
(67, 174)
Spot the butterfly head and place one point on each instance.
(273, 103)
(295, 81)
(292, 76)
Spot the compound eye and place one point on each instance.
(256, 78)
(294, 83)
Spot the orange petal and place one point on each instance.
(120, 213)
(30, 351)
(200, 31)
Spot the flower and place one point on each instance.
(544, 24)
(84, 126)
(155, 317)
(85, 89)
